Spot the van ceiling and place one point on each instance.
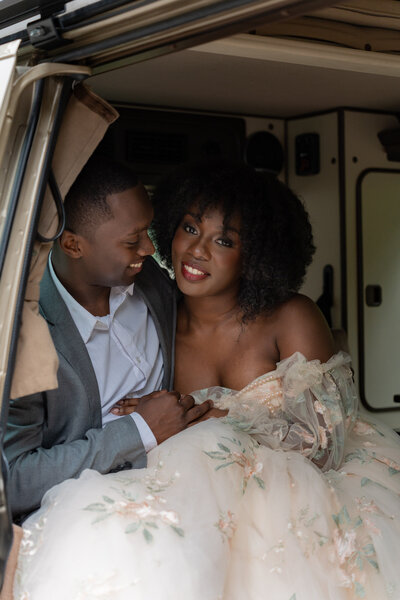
(257, 75)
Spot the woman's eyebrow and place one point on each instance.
(228, 228)
(198, 217)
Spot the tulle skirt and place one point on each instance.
(217, 516)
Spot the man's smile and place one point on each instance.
(136, 266)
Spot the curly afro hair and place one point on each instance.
(276, 235)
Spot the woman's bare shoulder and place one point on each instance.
(299, 305)
(301, 327)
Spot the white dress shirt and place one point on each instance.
(124, 349)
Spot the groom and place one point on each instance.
(111, 311)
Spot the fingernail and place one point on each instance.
(115, 411)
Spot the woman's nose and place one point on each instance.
(200, 250)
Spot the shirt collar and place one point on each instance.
(120, 289)
(83, 319)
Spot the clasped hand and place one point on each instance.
(167, 413)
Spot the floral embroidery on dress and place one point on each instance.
(364, 428)
(349, 546)
(354, 547)
(304, 528)
(242, 456)
(226, 524)
(365, 457)
(144, 515)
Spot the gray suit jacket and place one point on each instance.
(55, 435)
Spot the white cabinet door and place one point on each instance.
(379, 288)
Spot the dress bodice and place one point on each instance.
(266, 391)
(302, 405)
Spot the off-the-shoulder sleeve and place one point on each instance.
(304, 406)
(320, 405)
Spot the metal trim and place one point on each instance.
(257, 10)
(22, 163)
(5, 512)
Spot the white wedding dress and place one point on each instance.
(289, 497)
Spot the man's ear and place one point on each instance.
(71, 244)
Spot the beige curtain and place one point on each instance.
(85, 122)
(7, 589)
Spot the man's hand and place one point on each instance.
(216, 413)
(166, 413)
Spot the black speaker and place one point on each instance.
(264, 152)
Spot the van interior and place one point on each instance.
(315, 100)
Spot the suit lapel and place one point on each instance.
(69, 343)
(156, 302)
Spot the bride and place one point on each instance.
(289, 494)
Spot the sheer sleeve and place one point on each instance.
(305, 406)
(320, 405)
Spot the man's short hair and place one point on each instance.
(86, 203)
